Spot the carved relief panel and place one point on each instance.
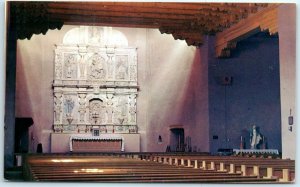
(95, 64)
(70, 66)
(97, 68)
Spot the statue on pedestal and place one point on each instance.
(255, 137)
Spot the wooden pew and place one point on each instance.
(246, 166)
(127, 168)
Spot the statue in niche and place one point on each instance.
(57, 106)
(70, 68)
(82, 108)
(82, 65)
(109, 108)
(94, 34)
(95, 107)
(97, 68)
(69, 105)
(123, 106)
(110, 66)
(121, 110)
(122, 67)
(255, 137)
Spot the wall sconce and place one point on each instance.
(291, 121)
(159, 140)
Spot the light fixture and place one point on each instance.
(159, 140)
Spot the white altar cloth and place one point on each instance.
(101, 137)
(256, 151)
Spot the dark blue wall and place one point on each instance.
(252, 98)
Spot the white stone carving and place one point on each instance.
(69, 105)
(96, 111)
(133, 69)
(109, 108)
(58, 65)
(70, 66)
(82, 107)
(122, 67)
(110, 66)
(82, 65)
(97, 68)
(95, 84)
(57, 107)
(95, 34)
(132, 108)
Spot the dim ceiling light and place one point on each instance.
(62, 160)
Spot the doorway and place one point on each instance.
(177, 140)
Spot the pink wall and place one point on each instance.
(287, 58)
(34, 94)
(172, 80)
(175, 91)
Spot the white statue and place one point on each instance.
(255, 137)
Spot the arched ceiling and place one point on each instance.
(186, 21)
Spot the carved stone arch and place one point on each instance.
(94, 96)
(96, 111)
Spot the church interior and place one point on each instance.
(150, 92)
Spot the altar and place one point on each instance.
(102, 143)
(95, 92)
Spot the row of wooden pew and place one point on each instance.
(157, 168)
(282, 170)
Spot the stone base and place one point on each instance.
(60, 142)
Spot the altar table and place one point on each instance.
(96, 143)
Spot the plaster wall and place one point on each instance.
(168, 75)
(287, 55)
(253, 98)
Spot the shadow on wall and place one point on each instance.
(253, 98)
(24, 106)
(167, 97)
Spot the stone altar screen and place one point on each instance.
(95, 86)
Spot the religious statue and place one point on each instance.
(123, 105)
(109, 108)
(82, 65)
(97, 69)
(82, 108)
(69, 104)
(69, 66)
(255, 138)
(121, 71)
(68, 70)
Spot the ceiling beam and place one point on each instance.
(264, 20)
(186, 21)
